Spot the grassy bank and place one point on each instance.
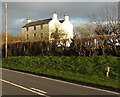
(83, 69)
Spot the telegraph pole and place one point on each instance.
(6, 30)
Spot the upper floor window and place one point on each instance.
(41, 26)
(27, 28)
(34, 35)
(34, 27)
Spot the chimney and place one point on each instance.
(66, 17)
(28, 20)
(54, 15)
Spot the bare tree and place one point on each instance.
(11, 38)
(85, 30)
(108, 24)
(108, 21)
(57, 32)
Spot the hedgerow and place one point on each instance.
(84, 46)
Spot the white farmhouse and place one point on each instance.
(41, 29)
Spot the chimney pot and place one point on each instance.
(28, 20)
(66, 16)
(54, 15)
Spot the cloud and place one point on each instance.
(15, 27)
(21, 20)
(79, 23)
(18, 12)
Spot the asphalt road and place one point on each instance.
(19, 83)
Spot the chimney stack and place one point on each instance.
(54, 15)
(28, 20)
(66, 17)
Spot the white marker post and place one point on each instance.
(107, 68)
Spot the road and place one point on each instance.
(19, 83)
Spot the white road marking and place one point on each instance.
(41, 91)
(64, 82)
(23, 87)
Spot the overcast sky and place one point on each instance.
(18, 12)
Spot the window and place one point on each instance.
(27, 36)
(41, 35)
(34, 35)
(27, 28)
(41, 26)
(34, 27)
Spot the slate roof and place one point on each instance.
(39, 22)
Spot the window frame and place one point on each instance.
(27, 28)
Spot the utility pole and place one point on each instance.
(6, 30)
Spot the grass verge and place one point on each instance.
(90, 70)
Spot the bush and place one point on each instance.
(85, 46)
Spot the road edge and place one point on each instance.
(69, 81)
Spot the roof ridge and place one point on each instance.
(39, 22)
(33, 22)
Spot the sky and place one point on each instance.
(79, 12)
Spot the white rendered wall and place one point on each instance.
(68, 28)
(53, 24)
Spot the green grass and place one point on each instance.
(80, 69)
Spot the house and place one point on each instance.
(42, 29)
